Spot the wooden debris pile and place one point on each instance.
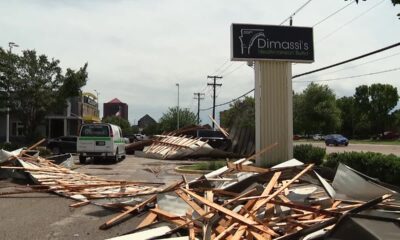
(176, 147)
(287, 201)
(51, 177)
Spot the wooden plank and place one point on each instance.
(80, 204)
(168, 216)
(228, 212)
(226, 134)
(209, 195)
(258, 203)
(239, 233)
(248, 168)
(283, 187)
(192, 235)
(149, 219)
(226, 231)
(191, 203)
(266, 192)
(266, 149)
(129, 210)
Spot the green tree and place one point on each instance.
(168, 122)
(362, 126)
(395, 115)
(383, 99)
(298, 127)
(35, 86)
(347, 115)
(373, 104)
(152, 129)
(316, 110)
(121, 122)
(241, 113)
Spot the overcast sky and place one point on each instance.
(138, 50)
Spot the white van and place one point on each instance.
(100, 140)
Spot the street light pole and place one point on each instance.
(177, 127)
(11, 45)
(98, 105)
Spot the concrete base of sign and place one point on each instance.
(274, 110)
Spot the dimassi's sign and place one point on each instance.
(268, 42)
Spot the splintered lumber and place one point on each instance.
(80, 204)
(226, 134)
(266, 149)
(230, 213)
(305, 208)
(257, 203)
(168, 216)
(172, 147)
(283, 187)
(149, 219)
(227, 230)
(191, 203)
(129, 210)
(267, 190)
(192, 235)
(246, 168)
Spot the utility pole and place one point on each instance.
(198, 97)
(177, 113)
(214, 84)
(11, 45)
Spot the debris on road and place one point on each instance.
(239, 201)
(50, 177)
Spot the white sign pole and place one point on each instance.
(273, 48)
(274, 110)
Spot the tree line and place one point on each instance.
(316, 110)
(32, 86)
(369, 112)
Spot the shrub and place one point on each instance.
(10, 146)
(376, 165)
(309, 154)
(44, 152)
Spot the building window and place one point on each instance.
(17, 129)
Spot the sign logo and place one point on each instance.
(248, 37)
(264, 42)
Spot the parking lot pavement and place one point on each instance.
(385, 149)
(48, 216)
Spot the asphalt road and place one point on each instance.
(385, 149)
(48, 216)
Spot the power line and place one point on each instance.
(241, 65)
(349, 60)
(215, 72)
(226, 68)
(334, 13)
(324, 68)
(295, 12)
(352, 20)
(355, 76)
(372, 61)
(222, 104)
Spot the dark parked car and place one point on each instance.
(336, 139)
(214, 138)
(389, 136)
(65, 144)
